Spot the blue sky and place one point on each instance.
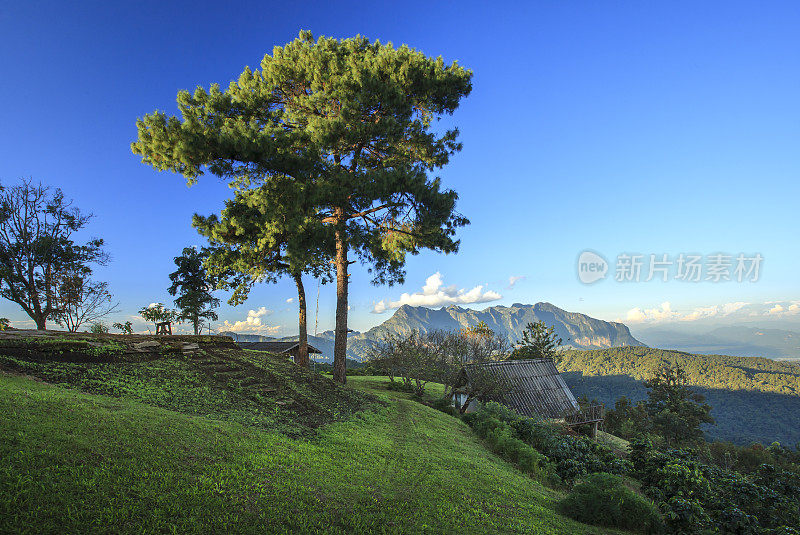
(610, 126)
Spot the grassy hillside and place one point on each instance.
(203, 376)
(753, 399)
(79, 462)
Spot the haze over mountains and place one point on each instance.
(577, 331)
(740, 340)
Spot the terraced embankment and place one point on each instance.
(200, 375)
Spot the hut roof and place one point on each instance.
(537, 389)
(276, 347)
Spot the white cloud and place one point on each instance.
(714, 311)
(252, 323)
(782, 308)
(777, 310)
(513, 279)
(737, 309)
(434, 293)
(662, 313)
(290, 300)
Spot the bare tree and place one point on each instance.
(418, 357)
(80, 300)
(36, 246)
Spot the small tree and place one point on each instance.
(36, 247)
(263, 234)
(3, 324)
(416, 358)
(675, 411)
(193, 287)
(158, 313)
(483, 384)
(80, 300)
(124, 328)
(627, 419)
(538, 342)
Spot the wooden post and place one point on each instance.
(165, 327)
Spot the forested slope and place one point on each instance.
(753, 399)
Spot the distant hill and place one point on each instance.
(753, 399)
(745, 341)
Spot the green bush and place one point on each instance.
(445, 404)
(604, 500)
(502, 440)
(572, 456)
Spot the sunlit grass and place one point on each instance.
(73, 462)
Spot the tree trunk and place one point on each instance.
(302, 352)
(40, 323)
(340, 341)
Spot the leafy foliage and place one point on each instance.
(263, 234)
(604, 500)
(158, 313)
(80, 300)
(538, 342)
(3, 324)
(37, 225)
(698, 498)
(675, 411)
(572, 456)
(124, 328)
(98, 327)
(193, 287)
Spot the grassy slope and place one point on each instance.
(74, 462)
(217, 380)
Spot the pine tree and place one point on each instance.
(352, 120)
(191, 284)
(675, 411)
(263, 234)
(538, 342)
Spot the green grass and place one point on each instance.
(79, 463)
(219, 382)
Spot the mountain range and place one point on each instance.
(577, 331)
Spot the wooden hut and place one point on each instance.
(282, 349)
(534, 388)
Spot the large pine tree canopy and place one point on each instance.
(350, 121)
(353, 117)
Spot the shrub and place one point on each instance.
(695, 497)
(573, 456)
(568, 457)
(445, 404)
(500, 437)
(98, 328)
(603, 500)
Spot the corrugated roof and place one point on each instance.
(537, 389)
(275, 347)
